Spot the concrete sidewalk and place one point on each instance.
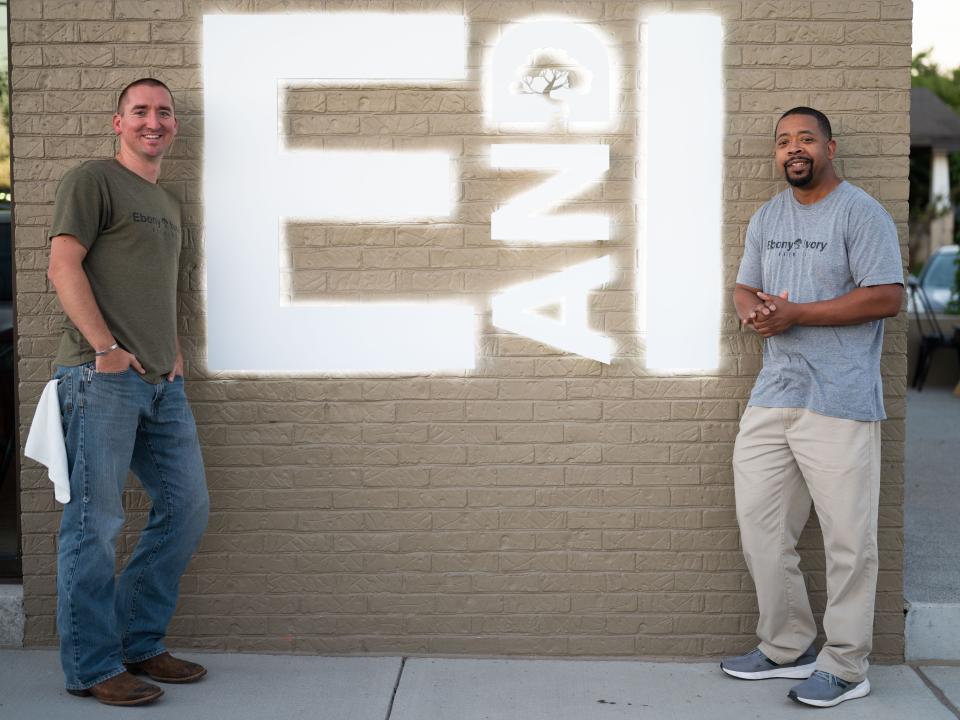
(282, 687)
(931, 531)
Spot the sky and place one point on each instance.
(936, 24)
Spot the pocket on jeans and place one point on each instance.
(64, 392)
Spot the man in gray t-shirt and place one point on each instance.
(821, 269)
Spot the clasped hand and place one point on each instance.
(773, 315)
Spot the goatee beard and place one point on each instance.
(801, 181)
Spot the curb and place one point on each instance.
(932, 632)
(11, 616)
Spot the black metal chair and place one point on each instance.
(932, 337)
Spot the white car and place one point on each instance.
(938, 278)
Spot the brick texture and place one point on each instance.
(542, 505)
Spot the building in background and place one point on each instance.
(543, 503)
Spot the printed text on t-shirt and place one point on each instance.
(798, 244)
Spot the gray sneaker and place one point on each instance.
(757, 666)
(825, 690)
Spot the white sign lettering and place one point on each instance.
(544, 75)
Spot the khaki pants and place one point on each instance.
(783, 458)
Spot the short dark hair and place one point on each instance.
(821, 119)
(150, 82)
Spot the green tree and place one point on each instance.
(945, 84)
(4, 135)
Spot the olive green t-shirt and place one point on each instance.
(131, 229)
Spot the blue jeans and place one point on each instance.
(115, 422)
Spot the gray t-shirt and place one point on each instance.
(820, 252)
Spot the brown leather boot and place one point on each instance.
(122, 689)
(168, 669)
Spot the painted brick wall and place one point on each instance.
(544, 504)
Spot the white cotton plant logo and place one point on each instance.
(545, 75)
(554, 74)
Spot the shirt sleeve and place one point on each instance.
(874, 250)
(81, 207)
(751, 267)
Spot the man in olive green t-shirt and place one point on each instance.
(114, 262)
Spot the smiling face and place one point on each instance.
(803, 151)
(146, 123)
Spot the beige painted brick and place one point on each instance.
(78, 147)
(472, 124)
(324, 125)
(149, 9)
(174, 32)
(42, 32)
(877, 78)
(76, 9)
(894, 190)
(859, 145)
(445, 498)
(149, 56)
(895, 56)
(501, 454)
(571, 497)
(876, 123)
(361, 101)
(775, 9)
(600, 388)
(512, 497)
(498, 10)
(636, 410)
(669, 387)
(568, 410)
(86, 55)
(877, 33)
(600, 519)
(54, 79)
(809, 79)
(665, 432)
(77, 102)
(741, 79)
(816, 32)
(303, 101)
(776, 102)
(101, 79)
(584, 453)
(847, 56)
(526, 433)
(428, 5)
(26, 56)
(600, 475)
(848, 10)
(26, 102)
(464, 258)
(532, 519)
(896, 9)
(705, 410)
(410, 101)
(394, 125)
(749, 32)
(894, 145)
(114, 32)
(777, 55)
(26, 10)
(592, 432)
